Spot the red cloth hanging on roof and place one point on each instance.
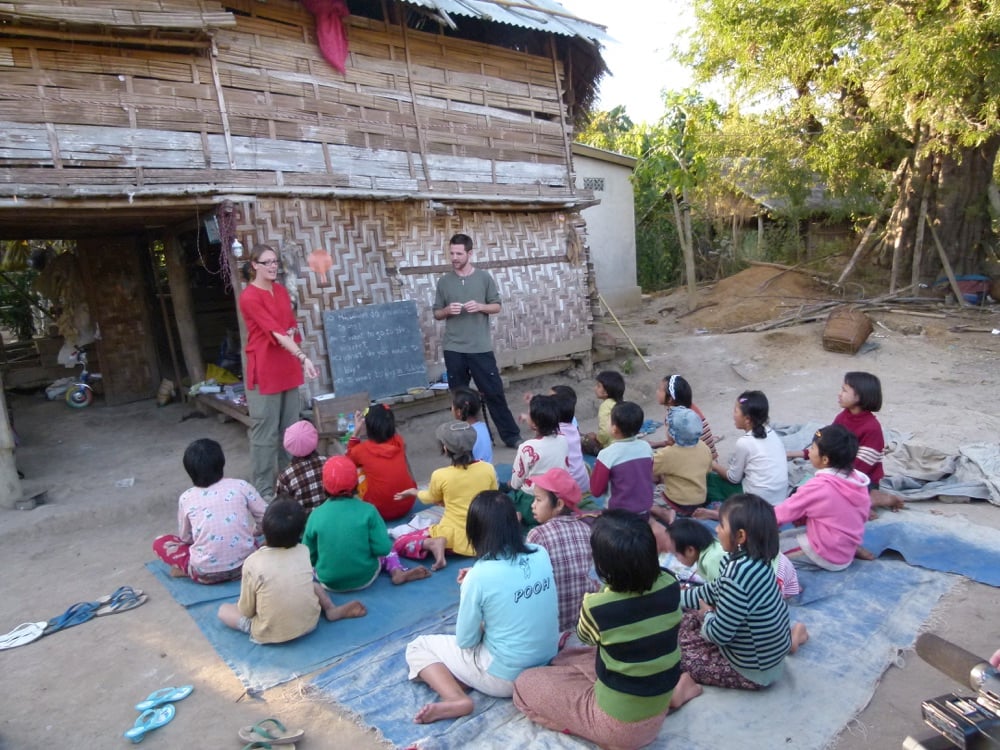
(330, 32)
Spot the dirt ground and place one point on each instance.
(76, 689)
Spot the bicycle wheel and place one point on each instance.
(79, 396)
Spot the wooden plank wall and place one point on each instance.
(414, 113)
(383, 252)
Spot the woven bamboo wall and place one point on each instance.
(383, 252)
(414, 113)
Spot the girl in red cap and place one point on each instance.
(566, 537)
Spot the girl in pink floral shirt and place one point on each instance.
(218, 520)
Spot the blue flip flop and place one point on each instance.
(148, 720)
(122, 600)
(165, 695)
(75, 615)
(118, 593)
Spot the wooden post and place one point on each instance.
(918, 245)
(959, 299)
(900, 171)
(180, 293)
(10, 485)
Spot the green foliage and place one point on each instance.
(16, 314)
(844, 84)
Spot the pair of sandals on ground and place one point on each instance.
(121, 600)
(158, 710)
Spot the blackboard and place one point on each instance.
(375, 348)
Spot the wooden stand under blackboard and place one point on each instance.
(375, 348)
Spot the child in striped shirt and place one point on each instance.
(739, 633)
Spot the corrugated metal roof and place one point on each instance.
(543, 15)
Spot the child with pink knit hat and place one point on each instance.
(302, 479)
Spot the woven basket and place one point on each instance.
(846, 330)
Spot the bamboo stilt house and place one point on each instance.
(358, 135)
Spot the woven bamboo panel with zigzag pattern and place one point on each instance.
(383, 252)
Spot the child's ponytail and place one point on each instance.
(754, 406)
(465, 401)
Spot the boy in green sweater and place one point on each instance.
(347, 539)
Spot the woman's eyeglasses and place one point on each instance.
(273, 262)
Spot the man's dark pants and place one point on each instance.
(481, 367)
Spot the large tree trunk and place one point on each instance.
(956, 185)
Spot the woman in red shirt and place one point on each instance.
(273, 366)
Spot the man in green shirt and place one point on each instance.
(465, 299)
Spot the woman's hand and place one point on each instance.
(309, 369)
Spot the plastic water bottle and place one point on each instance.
(341, 423)
(350, 428)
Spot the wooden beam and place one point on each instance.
(180, 293)
(421, 139)
(223, 111)
(567, 144)
(10, 484)
(959, 299)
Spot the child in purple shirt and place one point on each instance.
(626, 466)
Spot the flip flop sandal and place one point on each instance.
(78, 613)
(118, 592)
(154, 718)
(23, 634)
(121, 602)
(270, 731)
(262, 745)
(165, 695)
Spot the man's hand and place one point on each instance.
(471, 306)
(455, 308)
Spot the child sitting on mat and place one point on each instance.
(682, 466)
(279, 600)
(833, 505)
(383, 469)
(506, 618)
(675, 391)
(610, 389)
(617, 694)
(565, 398)
(566, 537)
(453, 487)
(758, 464)
(693, 545)
(625, 466)
(348, 542)
(218, 520)
(302, 479)
(466, 406)
(737, 633)
(547, 450)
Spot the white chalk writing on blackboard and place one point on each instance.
(375, 348)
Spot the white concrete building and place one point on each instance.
(611, 223)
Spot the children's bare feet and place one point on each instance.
(706, 514)
(344, 611)
(863, 554)
(399, 576)
(435, 545)
(799, 636)
(686, 689)
(444, 710)
(664, 513)
(176, 572)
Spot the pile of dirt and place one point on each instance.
(755, 295)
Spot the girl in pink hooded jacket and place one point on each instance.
(833, 505)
